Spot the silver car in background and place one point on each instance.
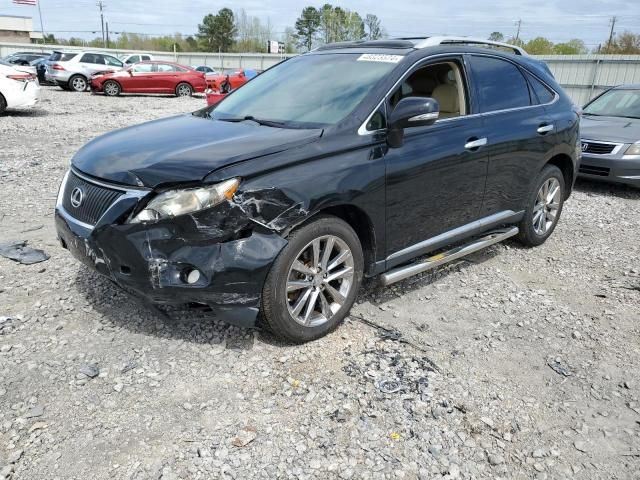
(610, 131)
(73, 70)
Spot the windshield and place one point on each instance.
(616, 103)
(308, 91)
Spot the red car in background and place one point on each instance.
(235, 79)
(150, 77)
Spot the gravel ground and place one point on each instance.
(512, 364)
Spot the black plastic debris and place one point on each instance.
(559, 368)
(19, 252)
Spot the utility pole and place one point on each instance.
(519, 24)
(44, 36)
(101, 6)
(613, 24)
(107, 34)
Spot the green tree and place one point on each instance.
(625, 43)
(374, 27)
(574, 46)
(307, 27)
(539, 46)
(217, 32)
(496, 37)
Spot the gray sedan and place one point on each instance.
(610, 131)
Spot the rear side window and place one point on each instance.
(133, 59)
(541, 92)
(145, 57)
(163, 67)
(500, 84)
(62, 57)
(92, 58)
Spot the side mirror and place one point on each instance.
(411, 112)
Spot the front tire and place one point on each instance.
(314, 281)
(111, 88)
(544, 206)
(78, 83)
(184, 90)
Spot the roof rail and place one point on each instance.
(440, 40)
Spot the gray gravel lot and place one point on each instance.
(514, 363)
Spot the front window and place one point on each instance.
(616, 103)
(308, 91)
(142, 68)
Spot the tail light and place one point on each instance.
(57, 66)
(22, 77)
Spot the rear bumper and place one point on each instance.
(612, 170)
(23, 95)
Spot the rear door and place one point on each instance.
(167, 77)
(92, 63)
(520, 132)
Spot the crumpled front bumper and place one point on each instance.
(232, 254)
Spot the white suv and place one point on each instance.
(73, 70)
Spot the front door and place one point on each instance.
(435, 182)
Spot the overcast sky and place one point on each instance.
(559, 20)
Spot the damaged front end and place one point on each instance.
(218, 256)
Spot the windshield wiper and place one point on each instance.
(260, 121)
(591, 114)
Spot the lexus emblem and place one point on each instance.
(77, 195)
(584, 147)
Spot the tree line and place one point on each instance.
(229, 31)
(625, 43)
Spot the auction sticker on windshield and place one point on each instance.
(379, 57)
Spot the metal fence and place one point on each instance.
(582, 76)
(224, 60)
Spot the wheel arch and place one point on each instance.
(114, 81)
(566, 166)
(3, 101)
(361, 224)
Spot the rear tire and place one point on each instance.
(330, 281)
(544, 206)
(184, 90)
(111, 88)
(3, 104)
(78, 83)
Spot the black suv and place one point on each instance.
(370, 158)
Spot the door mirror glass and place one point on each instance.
(411, 112)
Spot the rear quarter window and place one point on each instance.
(62, 57)
(542, 93)
(500, 85)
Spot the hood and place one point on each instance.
(610, 129)
(181, 149)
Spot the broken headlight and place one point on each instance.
(180, 202)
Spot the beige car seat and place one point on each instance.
(448, 98)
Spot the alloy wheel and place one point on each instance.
(184, 91)
(111, 89)
(319, 281)
(545, 211)
(79, 84)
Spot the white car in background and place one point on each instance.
(18, 87)
(132, 58)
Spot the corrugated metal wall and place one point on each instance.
(585, 76)
(582, 76)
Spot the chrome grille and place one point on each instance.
(598, 148)
(96, 199)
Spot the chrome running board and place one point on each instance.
(400, 273)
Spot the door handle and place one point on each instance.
(544, 129)
(474, 143)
